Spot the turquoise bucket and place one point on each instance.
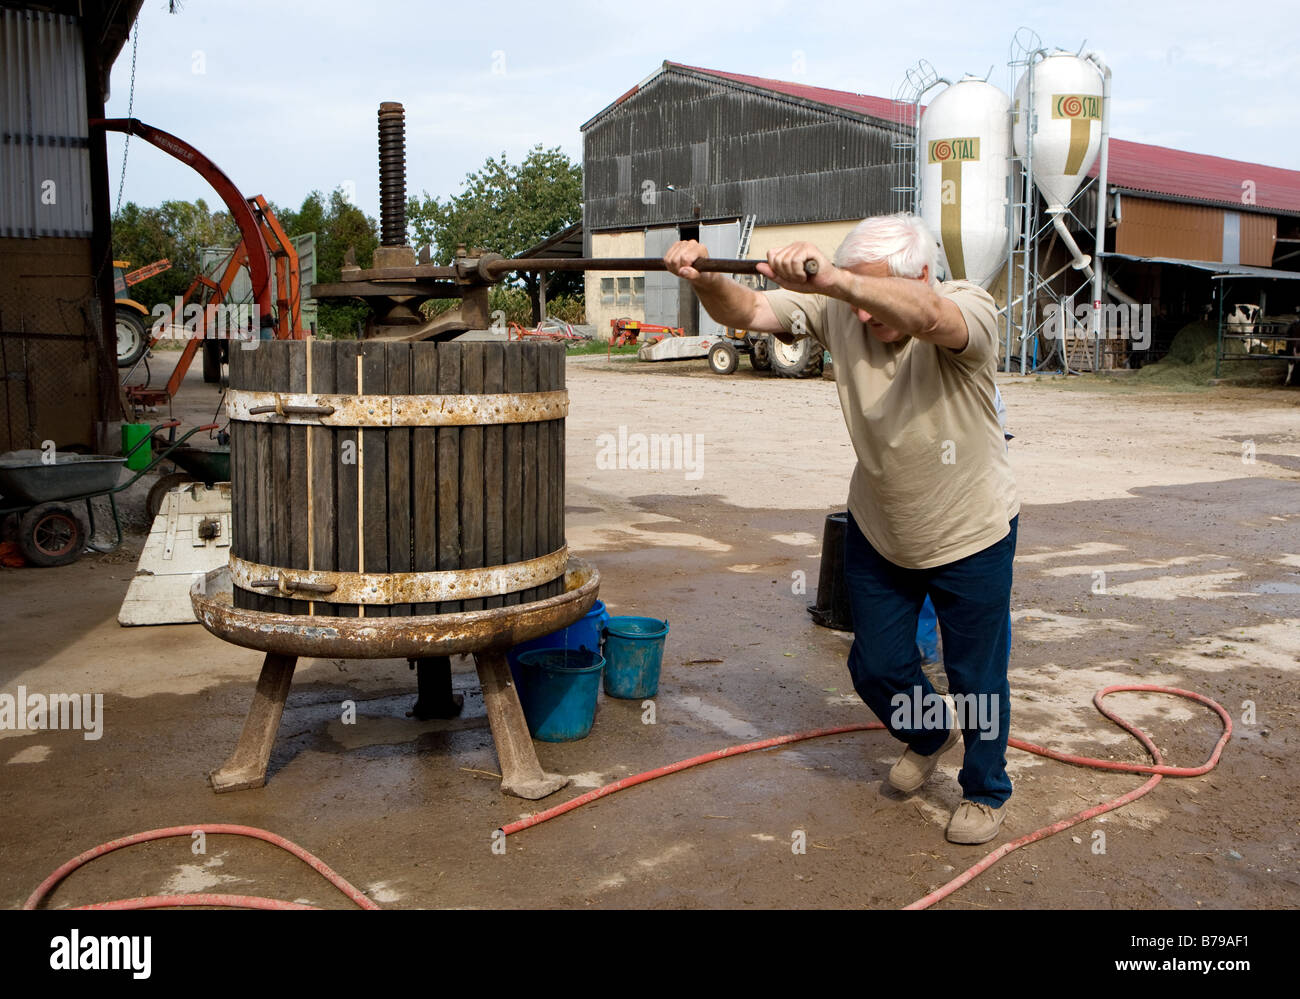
(558, 690)
(634, 653)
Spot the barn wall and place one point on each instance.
(57, 361)
(730, 152)
(599, 311)
(48, 343)
(1258, 239)
(826, 236)
(1151, 228)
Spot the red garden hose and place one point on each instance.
(168, 901)
(1158, 770)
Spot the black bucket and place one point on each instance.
(832, 607)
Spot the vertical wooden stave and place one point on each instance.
(449, 536)
(374, 473)
(269, 506)
(238, 493)
(494, 375)
(558, 362)
(544, 547)
(471, 470)
(399, 473)
(513, 461)
(324, 472)
(348, 483)
(298, 469)
(528, 503)
(424, 472)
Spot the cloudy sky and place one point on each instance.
(283, 95)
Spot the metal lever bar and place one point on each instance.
(706, 266)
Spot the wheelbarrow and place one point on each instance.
(41, 492)
(208, 465)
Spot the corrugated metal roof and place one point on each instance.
(1217, 268)
(876, 107)
(1135, 166)
(861, 105)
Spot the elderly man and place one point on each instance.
(932, 499)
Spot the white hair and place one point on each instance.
(903, 241)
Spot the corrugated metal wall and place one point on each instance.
(1258, 239)
(730, 153)
(1151, 228)
(44, 142)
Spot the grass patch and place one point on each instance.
(600, 347)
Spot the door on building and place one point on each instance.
(661, 288)
(721, 239)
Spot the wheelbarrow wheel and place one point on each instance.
(158, 492)
(51, 534)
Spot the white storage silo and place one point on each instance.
(1067, 104)
(965, 152)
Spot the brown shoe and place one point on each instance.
(974, 822)
(912, 769)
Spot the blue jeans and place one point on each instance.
(973, 599)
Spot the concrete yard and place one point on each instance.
(1201, 556)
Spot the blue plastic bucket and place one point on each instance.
(558, 690)
(585, 633)
(634, 653)
(927, 635)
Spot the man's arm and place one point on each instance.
(908, 305)
(728, 302)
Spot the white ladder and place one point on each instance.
(746, 230)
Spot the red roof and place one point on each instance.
(1173, 172)
(877, 107)
(1132, 165)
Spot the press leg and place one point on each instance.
(521, 774)
(246, 767)
(435, 699)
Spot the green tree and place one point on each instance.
(177, 230)
(338, 225)
(506, 208)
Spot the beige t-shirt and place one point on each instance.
(932, 482)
